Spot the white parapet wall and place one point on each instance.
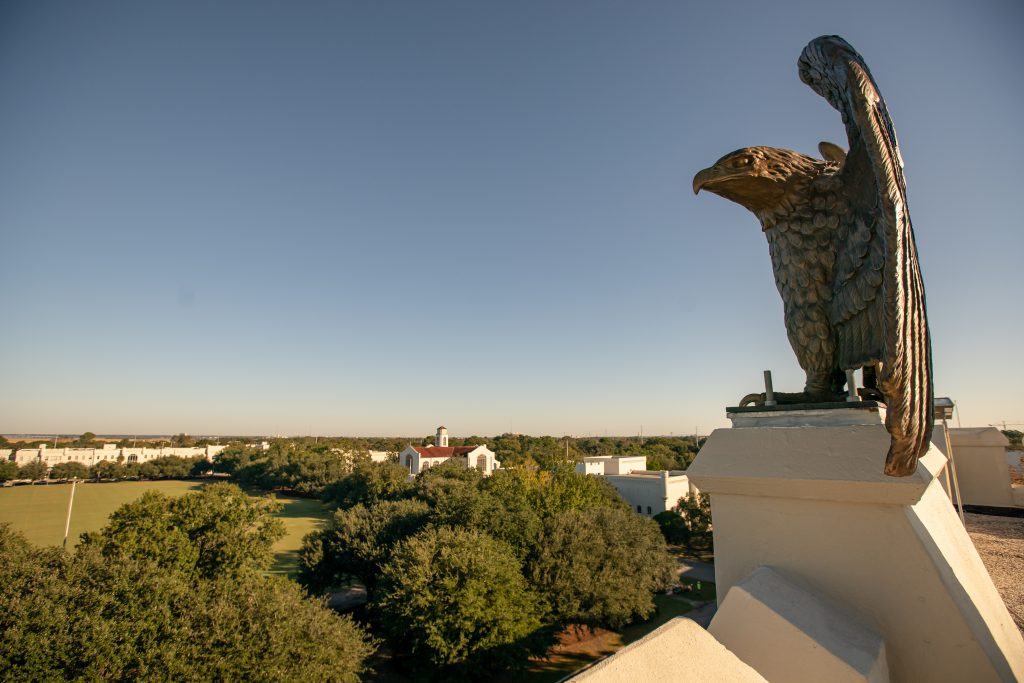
(813, 503)
(788, 633)
(982, 471)
(679, 651)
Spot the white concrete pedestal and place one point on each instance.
(813, 503)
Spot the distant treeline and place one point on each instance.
(308, 465)
(662, 452)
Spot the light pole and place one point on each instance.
(67, 522)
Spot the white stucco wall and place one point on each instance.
(649, 493)
(607, 464)
(481, 458)
(591, 466)
(625, 465)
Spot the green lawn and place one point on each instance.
(39, 512)
(300, 516)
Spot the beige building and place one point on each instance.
(109, 452)
(419, 458)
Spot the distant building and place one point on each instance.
(109, 452)
(419, 458)
(381, 456)
(647, 492)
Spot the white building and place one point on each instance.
(647, 492)
(381, 456)
(419, 458)
(109, 452)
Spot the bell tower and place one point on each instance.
(442, 436)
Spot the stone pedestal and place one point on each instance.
(812, 503)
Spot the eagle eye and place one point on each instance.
(740, 162)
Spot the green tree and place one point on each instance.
(305, 470)
(69, 470)
(219, 530)
(32, 470)
(357, 543)
(84, 616)
(167, 467)
(236, 458)
(182, 440)
(85, 440)
(107, 469)
(601, 566)
(551, 492)
(368, 483)
(470, 505)
(8, 470)
(693, 528)
(458, 599)
(200, 467)
(672, 526)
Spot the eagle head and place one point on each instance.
(758, 178)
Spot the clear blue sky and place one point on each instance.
(375, 217)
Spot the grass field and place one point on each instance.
(39, 512)
(300, 516)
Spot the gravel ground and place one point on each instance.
(1000, 542)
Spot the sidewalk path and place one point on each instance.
(700, 571)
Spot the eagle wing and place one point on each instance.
(878, 306)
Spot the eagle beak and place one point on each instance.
(703, 178)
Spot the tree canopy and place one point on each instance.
(564, 547)
(357, 543)
(8, 470)
(689, 522)
(69, 470)
(601, 566)
(32, 470)
(86, 616)
(218, 530)
(369, 482)
(458, 599)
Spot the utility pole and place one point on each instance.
(67, 522)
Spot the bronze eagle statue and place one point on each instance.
(843, 252)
